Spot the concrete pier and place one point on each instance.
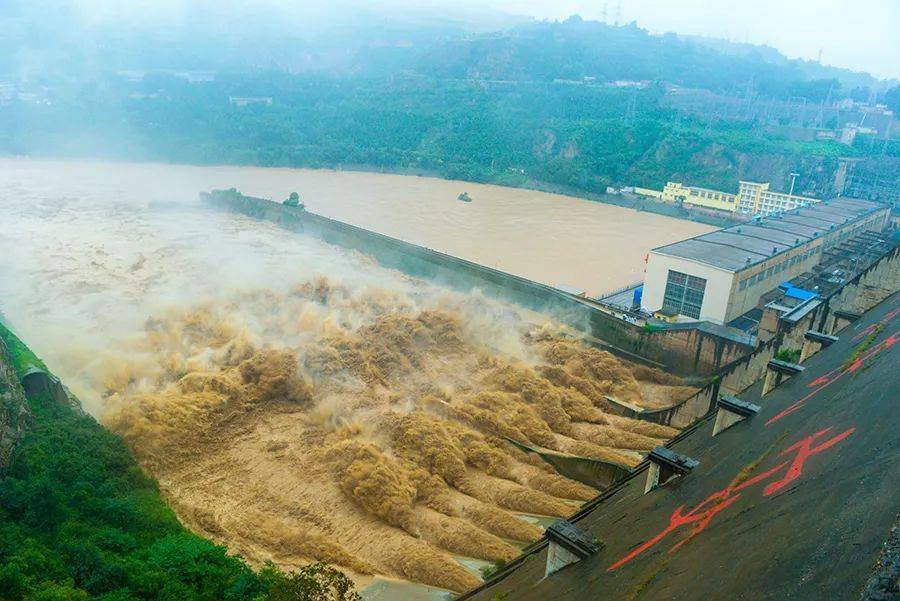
(813, 342)
(665, 465)
(777, 371)
(731, 410)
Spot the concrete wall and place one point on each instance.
(690, 352)
(860, 294)
(718, 285)
(870, 287)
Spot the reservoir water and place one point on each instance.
(550, 238)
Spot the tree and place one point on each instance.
(315, 582)
(293, 200)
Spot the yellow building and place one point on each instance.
(756, 199)
(700, 197)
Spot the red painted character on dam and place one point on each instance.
(701, 515)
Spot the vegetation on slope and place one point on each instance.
(528, 106)
(577, 139)
(22, 358)
(79, 519)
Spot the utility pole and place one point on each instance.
(793, 179)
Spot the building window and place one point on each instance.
(742, 285)
(684, 294)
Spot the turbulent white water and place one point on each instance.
(111, 243)
(295, 400)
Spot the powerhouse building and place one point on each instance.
(721, 275)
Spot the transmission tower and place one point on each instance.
(820, 116)
(631, 111)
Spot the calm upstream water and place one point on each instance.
(550, 238)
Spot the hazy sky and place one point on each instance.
(863, 35)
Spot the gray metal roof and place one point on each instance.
(743, 241)
(741, 246)
(768, 234)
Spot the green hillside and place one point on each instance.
(79, 519)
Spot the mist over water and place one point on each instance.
(297, 401)
(83, 237)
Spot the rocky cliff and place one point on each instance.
(14, 411)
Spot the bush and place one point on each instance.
(79, 519)
(791, 355)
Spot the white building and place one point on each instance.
(248, 100)
(756, 199)
(722, 275)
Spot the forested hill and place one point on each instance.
(571, 106)
(575, 49)
(60, 38)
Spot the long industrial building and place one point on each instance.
(752, 198)
(721, 275)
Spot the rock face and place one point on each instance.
(14, 411)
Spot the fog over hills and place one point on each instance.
(458, 91)
(46, 38)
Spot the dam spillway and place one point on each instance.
(259, 376)
(686, 351)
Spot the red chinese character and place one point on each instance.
(804, 450)
(702, 514)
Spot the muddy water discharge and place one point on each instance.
(296, 401)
